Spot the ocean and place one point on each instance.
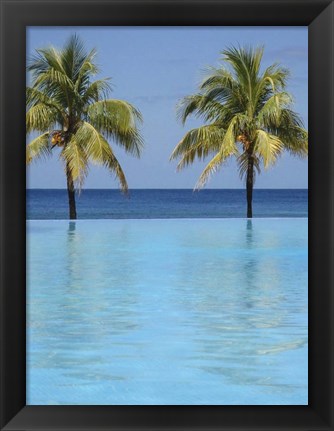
(166, 203)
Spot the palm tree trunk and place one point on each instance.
(249, 186)
(71, 194)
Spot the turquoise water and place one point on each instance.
(201, 311)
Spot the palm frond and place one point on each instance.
(44, 60)
(73, 56)
(268, 147)
(118, 120)
(38, 148)
(202, 106)
(52, 80)
(76, 162)
(217, 77)
(96, 91)
(35, 97)
(228, 148)
(245, 63)
(292, 133)
(198, 143)
(97, 149)
(189, 105)
(219, 85)
(210, 169)
(237, 123)
(64, 75)
(87, 69)
(40, 118)
(276, 76)
(270, 113)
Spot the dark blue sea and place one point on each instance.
(167, 203)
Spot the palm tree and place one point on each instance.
(73, 113)
(248, 115)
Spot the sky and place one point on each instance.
(153, 68)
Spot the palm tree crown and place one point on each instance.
(248, 114)
(74, 113)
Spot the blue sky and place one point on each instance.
(153, 68)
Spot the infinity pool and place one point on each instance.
(200, 311)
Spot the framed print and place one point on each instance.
(200, 297)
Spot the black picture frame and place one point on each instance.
(15, 16)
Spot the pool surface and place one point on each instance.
(200, 311)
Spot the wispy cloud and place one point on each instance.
(158, 98)
(298, 52)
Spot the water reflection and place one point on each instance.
(95, 284)
(72, 255)
(71, 227)
(90, 304)
(249, 266)
(249, 233)
(236, 303)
